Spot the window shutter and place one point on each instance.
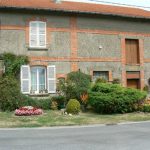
(25, 79)
(42, 34)
(33, 34)
(51, 79)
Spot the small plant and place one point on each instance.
(101, 80)
(116, 81)
(73, 106)
(54, 105)
(146, 88)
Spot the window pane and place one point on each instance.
(33, 79)
(41, 78)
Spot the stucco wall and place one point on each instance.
(147, 72)
(113, 24)
(147, 47)
(61, 67)
(60, 44)
(115, 67)
(88, 45)
(12, 41)
(19, 19)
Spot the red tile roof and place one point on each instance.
(76, 7)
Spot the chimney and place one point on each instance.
(57, 1)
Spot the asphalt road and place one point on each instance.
(112, 137)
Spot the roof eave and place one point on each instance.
(72, 11)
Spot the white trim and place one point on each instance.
(51, 79)
(27, 79)
(37, 34)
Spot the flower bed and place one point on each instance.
(28, 111)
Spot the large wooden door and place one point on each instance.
(132, 51)
(133, 83)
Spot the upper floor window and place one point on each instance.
(37, 34)
(132, 51)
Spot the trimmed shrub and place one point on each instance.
(75, 84)
(10, 95)
(34, 102)
(112, 98)
(73, 106)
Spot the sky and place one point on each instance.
(145, 3)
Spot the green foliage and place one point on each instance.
(13, 63)
(112, 98)
(101, 80)
(38, 103)
(60, 101)
(9, 94)
(73, 106)
(75, 84)
(146, 108)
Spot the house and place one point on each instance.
(60, 37)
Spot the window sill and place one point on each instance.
(133, 64)
(39, 95)
(37, 48)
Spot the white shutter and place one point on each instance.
(42, 34)
(33, 34)
(25, 79)
(51, 79)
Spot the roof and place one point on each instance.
(76, 7)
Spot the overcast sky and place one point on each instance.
(145, 3)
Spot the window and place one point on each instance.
(133, 79)
(37, 34)
(38, 79)
(132, 51)
(100, 74)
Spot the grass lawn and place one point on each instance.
(54, 118)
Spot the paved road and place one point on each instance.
(115, 137)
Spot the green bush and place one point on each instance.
(9, 94)
(60, 101)
(73, 106)
(112, 98)
(38, 103)
(75, 84)
(146, 108)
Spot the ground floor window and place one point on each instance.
(100, 74)
(38, 79)
(133, 79)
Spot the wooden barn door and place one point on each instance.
(132, 51)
